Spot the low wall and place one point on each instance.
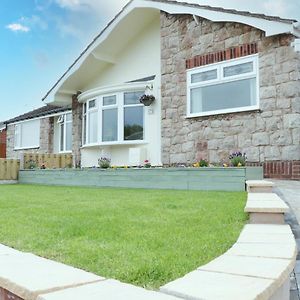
(225, 179)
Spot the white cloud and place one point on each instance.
(18, 27)
(34, 21)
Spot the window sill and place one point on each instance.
(109, 144)
(222, 112)
(26, 148)
(65, 152)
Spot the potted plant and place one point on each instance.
(147, 100)
(238, 159)
(104, 162)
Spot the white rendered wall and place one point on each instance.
(139, 59)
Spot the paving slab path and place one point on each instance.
(289, 191)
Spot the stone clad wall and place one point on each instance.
(46, 140)
(270, 134)
(76, 131)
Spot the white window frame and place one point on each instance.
(120, 105)
(18, 136)
(221, 79)
(64, 122)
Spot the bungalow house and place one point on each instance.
(47, 129)
(223, 80)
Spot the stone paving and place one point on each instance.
(290, 192)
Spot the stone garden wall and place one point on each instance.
(271, 134)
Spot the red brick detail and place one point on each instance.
(6, 295)
(280, 169)
(214, 57)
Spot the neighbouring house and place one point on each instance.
(223, 80)
(2, 140)
(45, 130)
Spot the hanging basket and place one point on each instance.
(147, 100)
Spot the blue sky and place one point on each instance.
(41, 38)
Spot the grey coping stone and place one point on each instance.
(285, 251)
(212, 286)
(263, 196)
(108, 290)
(277, 269)
(27, 275)
(268, 206)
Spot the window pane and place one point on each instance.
(92, 103)
(111, 100)
(30, 134)
(204, 76)
(68, 136)
(238, 69)
(93, 126)
(134, 123)
(132, 98)
(110, 125)
(235, 94)
(62, 146)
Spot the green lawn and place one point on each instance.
(144, 237)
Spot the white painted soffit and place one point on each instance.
(270, 27)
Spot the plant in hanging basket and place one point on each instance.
(147, 99)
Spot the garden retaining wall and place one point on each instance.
(226, 179)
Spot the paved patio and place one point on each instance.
(290, 192)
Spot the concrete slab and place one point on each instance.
(263, 196)
(265, 238)
(108, 290)
(27, 275)
(277, 269)
(211, 286)
(259, 183)
(268, 206)
(287, 251)
(268, 229)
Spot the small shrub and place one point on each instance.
(31, 164)
(147, 164)
(238, 159)
(203, 163)
(104, 162)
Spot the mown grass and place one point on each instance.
(144, 237)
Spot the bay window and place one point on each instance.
(225, 87)
(113, 118)
(65, 132)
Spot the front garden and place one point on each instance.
(144, 237)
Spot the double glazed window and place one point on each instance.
(117, 117)
(27, 134)
(65, 132)
(223, 87)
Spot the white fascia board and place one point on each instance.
(269, 27)
(41, 117)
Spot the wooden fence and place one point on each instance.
(9, 169)
(47, 161)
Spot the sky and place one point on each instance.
(41, 38)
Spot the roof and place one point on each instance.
(40, 112)
(2, 126)
(170, 2)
